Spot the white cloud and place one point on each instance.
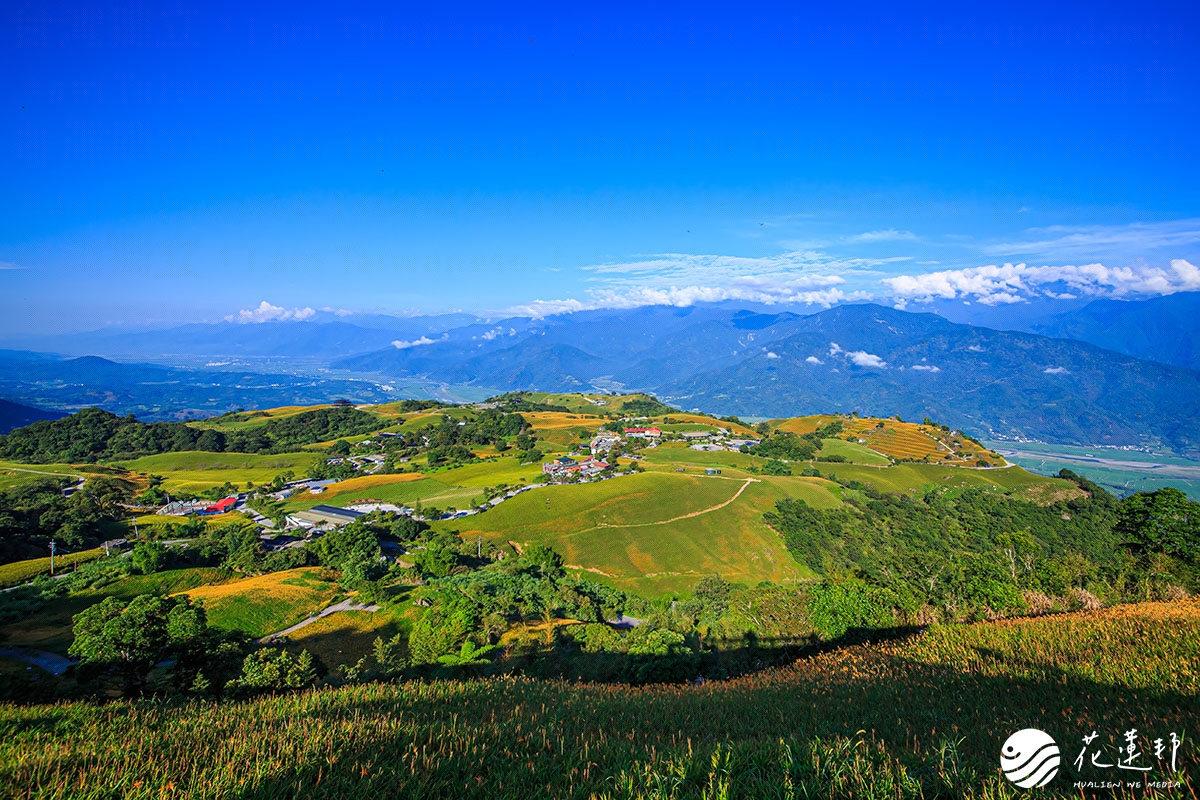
(1056, 371)
(10, 265)
(975, 348)
(1094, 241)
(860, 357)
(265, 312)
(681, 296)
(1015, 283)
(889, 235)
(864, 359)
(772, 355)
(813, 360)
(496, 333)
(926, 368)
(421, 342)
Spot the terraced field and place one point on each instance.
(901, 440)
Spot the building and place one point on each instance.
(221, 506)
(604, 442)
(328, 514)
(695, 435)
(316, 487)
(565, 466)
(711, 471)
(645, 433)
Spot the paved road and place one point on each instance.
(345, 605)
(51, 662)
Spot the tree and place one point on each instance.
(713, 594)
(442, 629)
(131, 639)
(340, 448)
(148, 557)
(776, 467)
(1164, 521)
(763, 428)
(274, 669)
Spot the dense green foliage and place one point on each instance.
(94, 434)
(787, 446)
(33, 513)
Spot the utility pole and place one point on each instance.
(51, 556)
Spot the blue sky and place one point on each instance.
(181, 164)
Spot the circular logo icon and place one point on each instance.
(1029, 758)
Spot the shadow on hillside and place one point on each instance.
(529, 738)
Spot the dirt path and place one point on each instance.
(345, 605)
(736, 495)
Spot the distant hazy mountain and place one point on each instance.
(1165, 329)
(865, 357)
(15, 415)
(153, 392)
(720, 357)
(324, 338)
(881, 361)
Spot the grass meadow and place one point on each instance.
(657, 532)
(921, 716)
(267, 603)
(195, 471)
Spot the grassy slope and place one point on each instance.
(413, 488)
(853, 452)
(49, 627)
(251, 419)
(196, 471)
(870, 721)
(622, 530)
(268, 603)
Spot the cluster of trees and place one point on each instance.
(127, 640)
(94, 434)
(786, 446)
(519, 401)
(890, 557)
(449, 441)
(31, 514)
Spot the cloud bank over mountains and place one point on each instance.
(882, 265)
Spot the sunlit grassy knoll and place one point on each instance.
(908, 440)
(550, 420)
(924, 717)
(852, 452)
(196, 471)
(162, 526)
(17, 572)
(492, 472)
(430, 491)
(677, 454)
(267, 603)
(903, 477)
(656, 532)
(250, 419)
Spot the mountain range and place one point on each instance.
(1105, 372)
